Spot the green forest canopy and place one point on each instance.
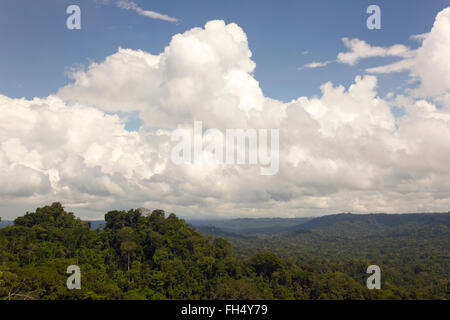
(155, 256)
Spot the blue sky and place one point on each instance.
(37, 48)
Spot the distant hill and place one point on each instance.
(217, 232)
(252, 225)
(97, 224)
(5, 223)
(337, 223)
(344, 224)
(348, 234)
(376, 219)
(349, 225)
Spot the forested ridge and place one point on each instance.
(159, 256)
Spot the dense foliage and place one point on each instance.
(151, 256)
(413, 250)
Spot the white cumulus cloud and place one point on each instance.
(430, 64)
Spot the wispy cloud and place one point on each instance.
(130, 5)
(359, 49)
(419, 37)
(316, 64)
(399, 66)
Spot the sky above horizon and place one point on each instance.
(86, 116)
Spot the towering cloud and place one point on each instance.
(430, 64)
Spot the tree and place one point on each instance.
(265, 263)
(128, 243)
